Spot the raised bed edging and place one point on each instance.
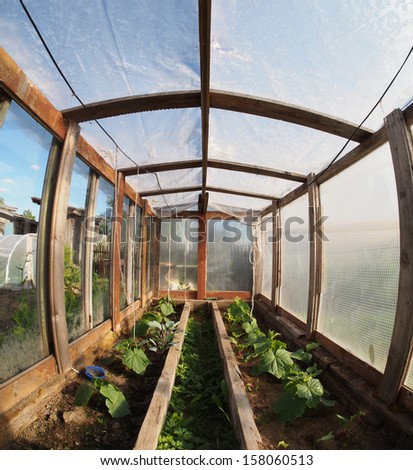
(156, 414)
(241, 412)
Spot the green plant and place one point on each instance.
(301, 390)
(161, 336)
(344, 428)
(132, 356)
(114, 399)
(166, 305)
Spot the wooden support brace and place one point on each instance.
(276, 254)
(57, 248)
(401, 146)
(316, 251)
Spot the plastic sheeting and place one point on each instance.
(179, 254)
(333, 57)
(229, 256)
(295, 258)
(18, 261)
(361, 258)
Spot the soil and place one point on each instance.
(66, 426)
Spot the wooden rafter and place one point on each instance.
(204, 8)
(190, 189)
(224, 100)
(224, 165)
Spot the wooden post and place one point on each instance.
(116, 240)
(144, 251)
(276, 254)
(156, 253)
(87, 249)
(4, 107)
(258, 258)
(57, 247)
(202, 255)
(44, 284)
(316, 252)
(129, 262)
(401, 146)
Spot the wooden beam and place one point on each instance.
(202, 255)
(160, 167)
(288, 113)
(276, 254)
(400, 351)
(116, 240)
(189, 189)
(57, 248)
(157, 192)
(87, 250)
(44, 281)
(316, 260)
(5, 101)
(216, 189)
(204, 9)
(257, 170)
(203, 200)
(134, 104)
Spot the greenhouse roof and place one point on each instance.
(237, 99)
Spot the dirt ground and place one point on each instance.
(66, 426)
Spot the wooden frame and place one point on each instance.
(202, 256)
(87, 250)
(276, 254)
(316, 256)
(401, 347)
(57, 245)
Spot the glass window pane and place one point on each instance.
(228, 256)
(295, 258)
(102, 251)
(149, 227)
(179, 254)
(361, 258)
(24, 150)
(123, 253)
(137, 247)
(77, 323)
(266, 253)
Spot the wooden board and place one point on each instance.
(156, 415)
(241, 412)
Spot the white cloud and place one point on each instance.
(8, 180)
(35, 167)
(3, 190)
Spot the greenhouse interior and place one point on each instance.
(217, 179)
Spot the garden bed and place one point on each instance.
(321, 427)
(63, 425)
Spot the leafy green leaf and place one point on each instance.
(277, 364)
(84, 394)
(311, 391)
(166, 309)
(136, 360)
(115, 401)
(326, 437)
(288, 407)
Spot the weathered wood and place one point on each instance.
(57, 247)
(276, 254)
(134, 104)
(215, 189)
(288, 113)
(155, 261)
(5, 101)
(203, 200)
(116, 239)
(204, 11)
(157, 192)
(87, 251)
(221, 164)
(156, 415)
(256, 170)
(144, 252)
(21, 89)
(43, 241)
(315, 255)
(95, 161)
(400, 351)
(202, 255)
(241, 412)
